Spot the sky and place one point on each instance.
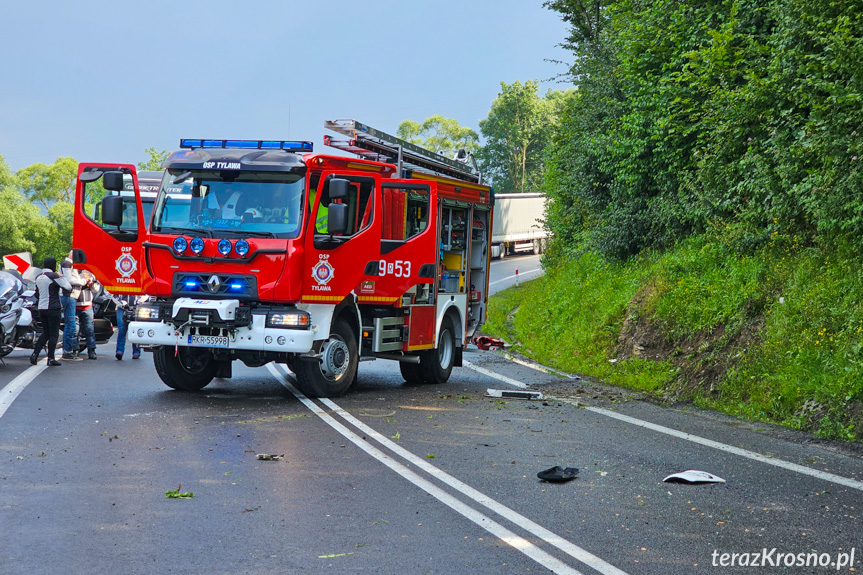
(102, 81)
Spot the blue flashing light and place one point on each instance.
(286, 145)
(197, 245)
(191, 284)
(241, 247)
(237, 286)
(224, 247)
(180, 244)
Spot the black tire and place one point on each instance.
(502, 251)
(190, 370)
(334, 373)
(436, 364)
(536, 248)
(411, 372)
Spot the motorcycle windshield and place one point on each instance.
(9, 286)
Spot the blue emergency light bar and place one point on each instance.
(288, 146)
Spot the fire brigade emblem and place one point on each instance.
(322, 272)
(126, 265)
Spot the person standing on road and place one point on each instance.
(126, 305)
(49, 286)
(68, 304)
(84, 311)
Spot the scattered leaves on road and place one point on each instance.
(177, 495)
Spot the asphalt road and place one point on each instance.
(400, 479)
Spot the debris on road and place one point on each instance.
(176, 494)
(508, 394)
(693, 476)
(268, 457)
(558, 474)
(487, 343)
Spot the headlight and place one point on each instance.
(197, 245)
(147, 313)
(293, 319)
(224, 247)
(180, 244)
(241, 247)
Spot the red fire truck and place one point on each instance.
(264, 251)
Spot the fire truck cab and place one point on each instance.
(264, 251)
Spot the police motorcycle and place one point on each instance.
(16, 317)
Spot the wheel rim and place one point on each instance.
(335, 358)
(193, 361)
(445, 349)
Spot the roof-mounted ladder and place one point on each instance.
(372, 144)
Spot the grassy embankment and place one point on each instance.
(774, 336)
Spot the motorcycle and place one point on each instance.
(15, 312)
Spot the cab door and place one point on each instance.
(112, 252)
(338, 263)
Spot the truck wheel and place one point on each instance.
(190, 370)
(501, 251)
(336, 370)
(536, 248)
(411, 372)
(436, 364)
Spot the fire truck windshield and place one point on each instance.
(263, 204)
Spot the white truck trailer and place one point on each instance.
(518, 224)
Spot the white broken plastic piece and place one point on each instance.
(513, 394)
(268, 457)
(693, 476)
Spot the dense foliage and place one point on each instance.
(518, 129)
(690, 114)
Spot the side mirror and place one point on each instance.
(112, 209)
(339, 188)
(337, 218)
(113, 181)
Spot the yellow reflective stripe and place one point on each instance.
(371, 298)
(321, 298)
(127, 289)
(355, 166)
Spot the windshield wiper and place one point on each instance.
(187, 231)
(256, 234)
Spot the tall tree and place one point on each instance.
(22, 227)
(438, 134)
(155, 161)
(517, 130)
(48, 184)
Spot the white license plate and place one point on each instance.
(208, 341)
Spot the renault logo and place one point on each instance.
(214, 282)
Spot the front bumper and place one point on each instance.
(255, 336)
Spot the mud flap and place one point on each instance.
(457, 359)
(224, 370)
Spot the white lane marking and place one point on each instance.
(838, 479)
(847, 482)
(546, 560)
(538, 367)
(482, 370)
(512, 276)
(549, 537)
(17, 385)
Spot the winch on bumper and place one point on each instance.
(221, 324)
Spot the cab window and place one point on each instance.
(360, 202)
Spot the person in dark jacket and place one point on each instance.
(49, 287)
